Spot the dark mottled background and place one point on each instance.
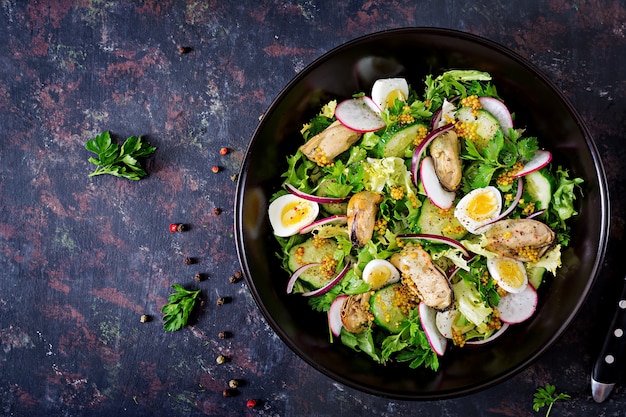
(82, 258)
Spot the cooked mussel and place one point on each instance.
(446, 153)
(355, 313)
(361, 213)
(523, 239)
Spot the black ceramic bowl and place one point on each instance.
(413, 53)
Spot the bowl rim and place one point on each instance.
(577, 118)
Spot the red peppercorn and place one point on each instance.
(215, 169)
(223, 151)
(251, 403)
(173, 228)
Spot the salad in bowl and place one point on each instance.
(420, 219)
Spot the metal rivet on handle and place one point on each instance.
(609, 359)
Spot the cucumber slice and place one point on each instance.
(487, 127)
(539, 188)
(535, 275)
(399, 139)
(439, 222)
(311, 252)
(386, 313)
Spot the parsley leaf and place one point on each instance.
(546, 396)
(119, 161)
(179, 306)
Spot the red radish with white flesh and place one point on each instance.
(334, 315)
(499, 110)
(540, 160)
(436, 193)
(437, 239)
(444, 321)
(297, 273)
(359, 114)
(427, 318)
(338, 219)
(491, 338)
(421, 148)
(316, 199)
(330, 285)
(518, 307)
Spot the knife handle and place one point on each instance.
(609, 364)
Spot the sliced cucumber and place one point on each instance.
(439, 222)
(386, 313)
(487, 124)
(535, 275)
(397, 140)
(311, 252)
(539, 187)
(336, 208)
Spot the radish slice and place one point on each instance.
(540, 160)
(421, 148)
(297, 273)
(515, 308)
(338, 219)
(499, 110)
(491, 338)
(334, 315)
(359, 114)
(435, 192)
(435, 339)
(317, 199)
(437, 239)
(330, 285)
(444, 321)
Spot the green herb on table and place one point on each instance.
(179, 306)
(121, 161)
(547, 396)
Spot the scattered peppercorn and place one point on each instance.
(145, 318)
(233, 279)
(222, 359)
(173, 228)
(238, 274)
(198, 278)
(223, 151)
(184, 49)
(234, 177)
(215, 169)
(251, 403)
(223, 300)
(223, 335)
(189, 261)
(228, 393)
(233, 383)
(217, 211)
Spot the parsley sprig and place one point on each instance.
(547, 396)
(179, 306)
(121, 161)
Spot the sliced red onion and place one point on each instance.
(437, 239)
(509, 210)
(436, 119)
(328, 220)
(317, 199)
(297, 273)
(538, 161)
(330, 285)
(421, 148)
(334, 315)
(536, 214)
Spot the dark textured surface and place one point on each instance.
(82, 258)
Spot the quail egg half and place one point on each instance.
(290, 213)
(379, 273)
(510, 274)
(386, 90)
(478, 208)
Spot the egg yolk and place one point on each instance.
(394, 94)
(294, 213)
(510, 273)
(378, 276)
(482, 206)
